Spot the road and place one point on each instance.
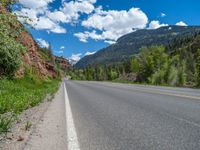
(133, 117)
(111, 116)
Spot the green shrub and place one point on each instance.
(7, 2)
(6, 121)
(10, 54)
(197, 70)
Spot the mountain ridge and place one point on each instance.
(129, 44)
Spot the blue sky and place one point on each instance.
(82, 27)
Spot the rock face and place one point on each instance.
(32, 58)
(63, 63)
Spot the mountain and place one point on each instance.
(129, 44)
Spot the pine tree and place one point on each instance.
(197, 72)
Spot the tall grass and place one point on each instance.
(19, 95)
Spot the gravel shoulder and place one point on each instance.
(43, 120)
(51, 133)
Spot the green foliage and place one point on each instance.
(28, 125)
(10, 26)
(10, 49)
(6, 121)
(18, 95)
(6, 3)
(134, 64)
(46, 54)
(10, 54)
(177, 64)
(197, 71)
(151, 60)
(130, 44)
(172, 76)
(158, 77)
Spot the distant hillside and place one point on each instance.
(130, 44)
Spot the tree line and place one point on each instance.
(177, 64)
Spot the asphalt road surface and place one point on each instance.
(109, 116)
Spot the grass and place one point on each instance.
(6, 122)
(19, 95)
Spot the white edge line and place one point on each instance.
(72, 138)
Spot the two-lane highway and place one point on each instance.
(110, 116)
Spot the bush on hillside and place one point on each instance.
(197, 72)
(7, 2)
(10, 54)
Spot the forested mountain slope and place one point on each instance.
(130, 44)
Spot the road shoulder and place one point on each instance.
(50, 133)
(27, 129)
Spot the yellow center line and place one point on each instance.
(168, 94)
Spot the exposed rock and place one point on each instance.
(63, 62)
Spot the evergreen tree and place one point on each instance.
(197, 71)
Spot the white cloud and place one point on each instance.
(181, 23)
(43, 43)
(163, 15)
(73, 9)
(35, 3)
(156, 24)
(89, 53)
(62, 47)
(110, 42)
(112, 24)
(39, 20)
(58, 29)
(38, 15)
(82, 36)
(85, 35)
(75, 58)
(57, 16)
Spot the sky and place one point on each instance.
(76, 28)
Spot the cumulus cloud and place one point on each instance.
(181, 23)
(42, 43)
(57, 16)
(156, 24)
(75, 58)
(112, 24)
(37, 13)
(89, 53)
(35, 3)
(73, 9)
(83, 36)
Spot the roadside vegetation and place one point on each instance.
(19, 94)
(177, 64)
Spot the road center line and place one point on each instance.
(166, 93)
(72, 138)
(160, 92)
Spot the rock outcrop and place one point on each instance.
(63, 63)
(32, 58)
